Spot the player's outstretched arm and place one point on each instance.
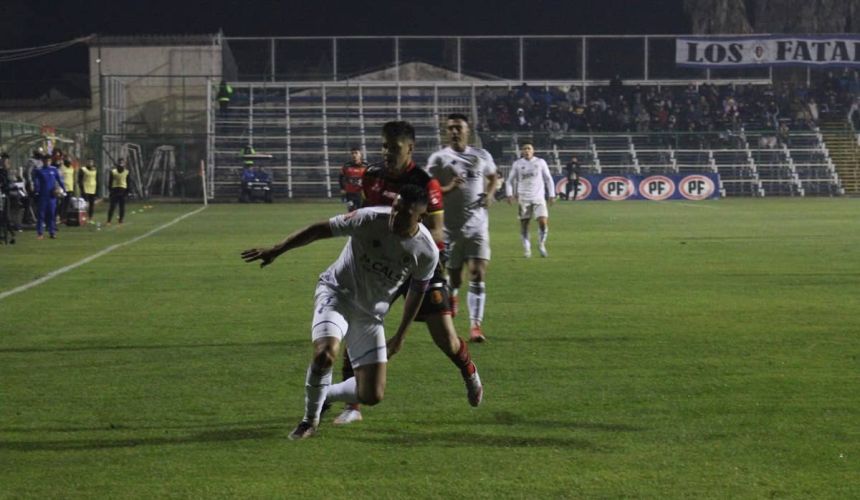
(411, 305)
(300, 238)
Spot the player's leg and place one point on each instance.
(454, 265)
(328, 327)
(478, 258)
(525, 215)
(477, 297)
(366, 347)
(542, 214)
(524, 234)
(352, 411)
(444, 335)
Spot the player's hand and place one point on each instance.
(394, 344)
(456, 182)
(265, 255)
(551, 200)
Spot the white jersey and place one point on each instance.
(375, 261)
(529, 181)
(464, 213)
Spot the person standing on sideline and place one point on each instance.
(350, 179)
(386, 246)
(118, 190)
(528, 182)
(67, 170)
(468, 179)
(47, 186)
(88, 181)
(571, 173)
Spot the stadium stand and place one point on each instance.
(309, 130)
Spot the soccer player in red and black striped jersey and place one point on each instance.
(350, 180)
(380, 186)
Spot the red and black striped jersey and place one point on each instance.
(381, 189)
(351, 175)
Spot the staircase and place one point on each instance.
(842, 144)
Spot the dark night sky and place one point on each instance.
(29, 23)
(20, 19)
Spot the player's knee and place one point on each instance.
(371, 397)
(324, 358)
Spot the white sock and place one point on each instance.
(346, 391)
(477, 298)
(316, 389)
(543, 232)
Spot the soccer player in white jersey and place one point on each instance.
(468, 179)
(387, 245)
(529, 181)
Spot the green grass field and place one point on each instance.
(663, 350)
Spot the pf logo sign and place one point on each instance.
(583, 190)
(615, 188)
(697, 187)
(656, 187)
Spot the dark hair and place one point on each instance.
(526, 142)
(399, 129)
(355, 148)
(458, 116)
(412, 194)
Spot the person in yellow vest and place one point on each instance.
(67, 170)
(88, 182)
(118, 190)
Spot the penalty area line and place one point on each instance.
(53, 274)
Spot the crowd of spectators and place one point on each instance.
(692, 108)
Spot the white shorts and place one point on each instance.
(364, 335)
(536, 209)
(462, 248)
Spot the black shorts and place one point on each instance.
(435, 298)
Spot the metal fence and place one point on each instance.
(159, 124)
(586, 59)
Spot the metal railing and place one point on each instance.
(588, 58)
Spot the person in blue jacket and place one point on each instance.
(47, 184)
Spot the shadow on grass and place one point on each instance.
(467, 439)
(257, 424)
(96, 348)
(571, 339)
(509, 437)
(212, 436)
(512, 419)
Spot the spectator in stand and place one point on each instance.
(854, 114)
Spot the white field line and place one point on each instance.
(53, 274)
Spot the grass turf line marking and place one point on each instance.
(53, 274)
